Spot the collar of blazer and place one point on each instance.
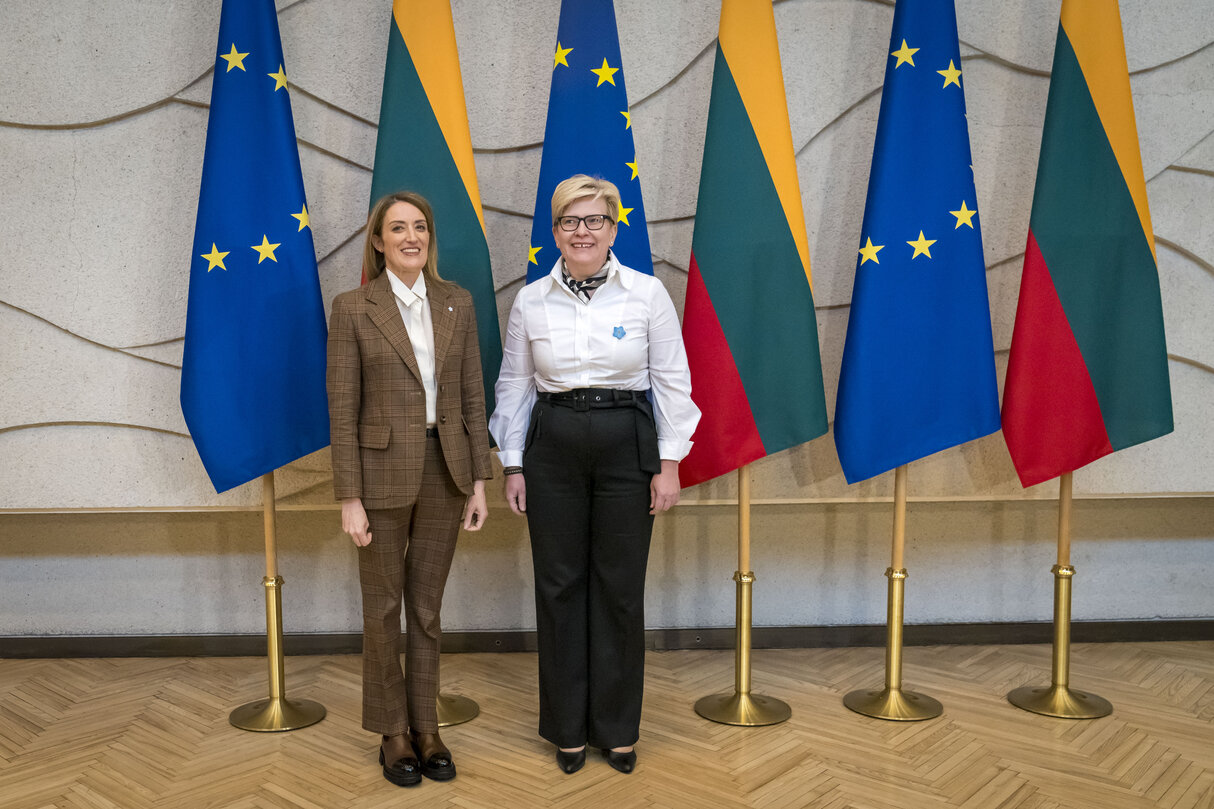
(385, 314)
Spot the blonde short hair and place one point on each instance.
(583, 186)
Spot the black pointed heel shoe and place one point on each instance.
(571, 762)
(622, 762)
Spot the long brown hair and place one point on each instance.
(373, 259)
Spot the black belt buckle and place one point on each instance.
(581, 399)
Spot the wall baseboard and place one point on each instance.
(763, 637)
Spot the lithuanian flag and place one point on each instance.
(424, 145)
(749, 323)
(1088, 370)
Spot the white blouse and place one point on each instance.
(626, 337)
(414, 309)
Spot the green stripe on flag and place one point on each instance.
(412, 154)
(755, 278)
(1091, 238)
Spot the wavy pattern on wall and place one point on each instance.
(832, 122)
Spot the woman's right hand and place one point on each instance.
(516, 493)
(354, 521)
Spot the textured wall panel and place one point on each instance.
(79, 61)
(102, 123)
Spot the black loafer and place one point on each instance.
(404, 772)
(439, 767)
(571, 762)
(623, 762)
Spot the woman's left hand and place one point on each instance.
(664, 488)
(475, 510)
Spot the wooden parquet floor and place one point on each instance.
(135, 733)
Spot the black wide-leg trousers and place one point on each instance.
(588, 514)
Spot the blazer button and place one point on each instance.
(442, 419)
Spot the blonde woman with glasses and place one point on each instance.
(593, 415)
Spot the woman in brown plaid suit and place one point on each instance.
(410, 457)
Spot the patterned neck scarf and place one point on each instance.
(585, 289)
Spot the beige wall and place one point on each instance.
(102, 121)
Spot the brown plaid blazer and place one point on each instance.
(377, 405)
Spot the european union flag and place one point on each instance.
(918, 372)
(253, 373)
(589, 131)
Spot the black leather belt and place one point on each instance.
(431, 432)
(587, 398)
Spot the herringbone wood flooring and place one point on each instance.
(135, 733)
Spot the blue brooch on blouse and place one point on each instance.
(618, 332)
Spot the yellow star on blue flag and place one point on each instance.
(584, 136)
(918, 370)
(253, 369)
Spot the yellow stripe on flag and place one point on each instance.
(748, 42)
(429, 34)
(1094, 30)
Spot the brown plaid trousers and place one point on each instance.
(412, 488)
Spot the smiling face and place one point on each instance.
(585, 250)
(404, 239)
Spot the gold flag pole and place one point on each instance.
(277, 712)
(892, 702)
(741, 707)
(1058, 699)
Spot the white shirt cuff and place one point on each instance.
(510, 457)
(673, 449)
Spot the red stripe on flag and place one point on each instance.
(1051, 416)
(726, 437)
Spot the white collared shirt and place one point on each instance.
(415, 311)
(627, 337)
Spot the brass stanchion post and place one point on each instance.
(741, 707)
(1058, 699)
(277, 712)
(892, 702)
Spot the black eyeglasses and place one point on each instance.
(593, 222)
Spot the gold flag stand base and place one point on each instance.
(745, 710)
(455, 710)
(269, 715)
(1061, 702)
(277, 713)
(1058, 699)
(741, 707)
(892, 702)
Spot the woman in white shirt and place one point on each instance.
(593, 415)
